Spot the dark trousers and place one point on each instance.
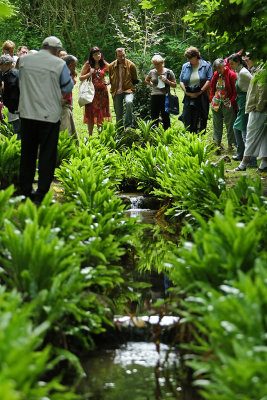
(157, 109)
(195, 113)
(34, 135)
(16, 127)
(192, 119)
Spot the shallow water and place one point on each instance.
(137, 207)
(134, 371)
(147, 216)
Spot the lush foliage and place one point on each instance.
(238, 23)
(221, 273)
(6, 9)
(61, 264)
(66, 259)
(22, 362)
(230, 364)
(9, 160)
(66, 147)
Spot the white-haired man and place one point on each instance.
(43, 78)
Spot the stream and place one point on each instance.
(132, 364)
(138, 207)
(135, 371)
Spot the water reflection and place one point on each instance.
(135, 371)
(147, 216)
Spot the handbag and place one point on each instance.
(172, 103)
(86, 92)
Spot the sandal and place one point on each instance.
(261, 170)
(237, 169)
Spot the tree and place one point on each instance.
(80, 24)
(6, 9)
(238, 23)
(139, 32)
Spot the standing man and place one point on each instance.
(123, 78)
(43, 79)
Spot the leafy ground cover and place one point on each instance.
(71, 263)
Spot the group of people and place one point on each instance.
(236, 99)
(44, 81)
(228, 89)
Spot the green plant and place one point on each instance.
(109, 231)
(146, 129)
(6, 204)
(43, 262)
(169, 136)
(87, 183)
(110, 137)
(9, 161)
(140, 34)
(149, 161)
(229, 349)
(128, 161)
(66, 147)
(6, 129)
(246, 196)
(198, 190)
(220, 248)
(100, 156)
(23, 364)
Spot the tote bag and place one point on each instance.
(86, 92)
(171, 104)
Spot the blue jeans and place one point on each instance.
(126, 100)
(240, 137)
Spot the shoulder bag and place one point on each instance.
(172, 103)
(171, 100)
(86, 92)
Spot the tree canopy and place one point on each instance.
(242, 22)
(6, 9)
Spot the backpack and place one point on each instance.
(11, 89)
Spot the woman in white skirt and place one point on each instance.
(256, 139)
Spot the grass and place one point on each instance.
(78, 112)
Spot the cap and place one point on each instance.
(52, 41)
